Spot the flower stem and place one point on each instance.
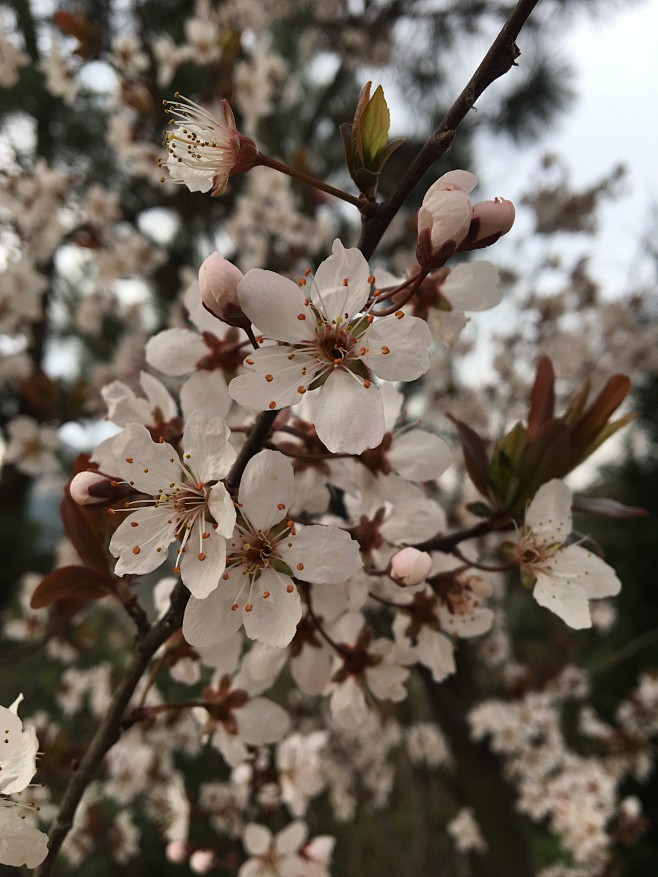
(366, 207)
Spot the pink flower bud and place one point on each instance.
(444, 218)
(202, 861)
(218, 282)
(490, 220)
(410, 567)
(94, 489)
(176, 851)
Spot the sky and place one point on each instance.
(614, 119)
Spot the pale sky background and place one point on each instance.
(614, 119)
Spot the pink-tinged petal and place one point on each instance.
(276, 306)
(419, 456)
(150, 466)
(564, 598)
(261, 721)
(211, 621)
(397, 348)
(549, 514)
(20, 842)
(231, 746)
(175, 351)
(277, 377)
(576, 564)
(291, 838)
(337, 300)
(206, 391)
(472, 286)
(124, 406)
(322, 554)
(449, 325)
(141, 541)
(208, 451)
(273, 619)
(222, 509)
(457, 179)
(348, 704)
(267, 489)
(348, 417)
(437, 653)
(203, 563)
(413, 520)
(312, 670)
(257, 839)
(471, 624)
(159, 398)
(447, 213)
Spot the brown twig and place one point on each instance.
(499, 59)
(255, 442)
(109, 730)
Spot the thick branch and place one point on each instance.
(109, 730)
(498, 60)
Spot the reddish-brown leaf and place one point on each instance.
(79, 583)
(607, 508)
(542, 398)
(476, 457)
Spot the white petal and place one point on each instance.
(564, 598)
(141, 541)
(549, 514)
(18, 749)
(175, 351)
(203, 562)
(471, 624)
(124, 406)
(160, 400)
(257, 839)
(397, 348)
(472, 286)
(207, 391)
(20, 843)
(208, 451)
(273, 619)
(261, 721)
(292, 837)
(211, 621)
(150, 466)
(348, 704)
(594, 575)
(267, 489)
(273, 379)
(393, 401)
(348, 417)
(436, 652)
(274, 305)
(222, 509)
(413, 520)
(419, 455)
(322, 554)
(335, 299)
(312, 670)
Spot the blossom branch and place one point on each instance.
(498, 60)
(365, 207)
(109, 730)
(255, 442)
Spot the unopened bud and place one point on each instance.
(410, 567)
(490, 221)
(202, 861)
(176, 851)
(444, 218)
(218, 283)
(95, 490)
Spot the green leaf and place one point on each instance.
(375, 123)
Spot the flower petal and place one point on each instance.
(175, 351)
(322, 554)
(348, 417)
(149, 466)
(337, 300)
(208, 452)
(141, 541)
(419, 456)
(274, 378)
(211, 621)
(20, 842)
(564, 598)
(207, 391)
(397, 348)
(472, 286)
(261, 721)
(549, 514)
(203, 562)
(273, 619)
(267, 489)
(276, 306)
